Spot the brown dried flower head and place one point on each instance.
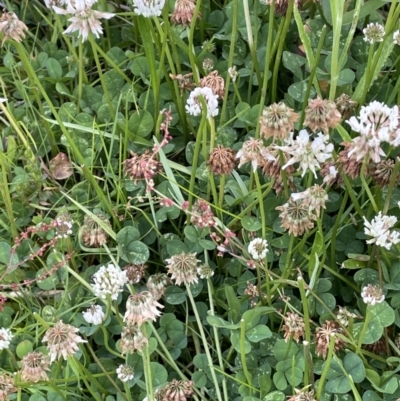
(214, 82)
(176, 390)
(277, 120)
(6, 386)
(294, 326)
(381, 172)
(135, 272)
(323, 336)
(60, 167)
(93, 235)
(330, 174)
(183, 268)
(321, 115)
(222, 160)
(132, 339)
(302, 395)
(350, 165)
(202, 215)
(157, 284)
(208, 64)
(184, 81)
(296, 217)
(141, 307)
(12, 27)
(142, 166)
(345, 105)
(62, 340)
(34, 366)
(183, 12)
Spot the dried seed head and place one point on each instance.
(343, 316)
(60, 167)
(302, 395)
(183, 268)
(330, 174)
(183, 12)
(345, 105)
(252, 151)
(34, 366)
(135, 272)
(132, 339)
(323, 336)
(202, 215)
(93, 235)
(277, 120)
(378, 347)
(296, 217)
(321, 115)
(214, 82)
(176, 390)
(184, 81)
(142, 167)
(208, 64)
(294, 326)
(222, 160)
(381, 172)
(6, 386)
(157, 284)
(125, 373)
(12, 27)
(349, 164)
(205, 271)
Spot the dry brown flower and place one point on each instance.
(294, 326)
(183, 268)
(381, 172)
(132, 339)
(34, 366)
(345, 105)
(183, 12)
(93, 235)
(157, 284)
(141, 307)
(12, 27)
(302, 395)
(277, 120)
(184, 81)
(60, 167)
(350, 165)
(323, 336)
(142, 166)
(202, 215)
(222, 160)
(6, 386)
(135, 272)
(176, 390)
(214, 82)
(331, 179)
(321, 115)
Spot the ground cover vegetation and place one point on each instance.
(199, 200)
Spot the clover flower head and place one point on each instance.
(379, 230)
(194, 106)
(94, 314)
(109, 281)
(374, 33)
(258, 248)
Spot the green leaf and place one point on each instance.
(53, 68)
(283, 350)
(258, 333)
(141, 123)
(280, 382)
(135, 252)
(175, 295)
(200, 379)
(252, 317)
(251, 223)
(233, 302)
(275, 396)
(159, 374)
(293, 62)
(6, 258)
(354, 366)
(237, 343)
(216, 321)
(23, 348)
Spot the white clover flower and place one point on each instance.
(372, 294)
(308, 154)
(148, 8)
(5, 338)
(313, 197)
(258, 248)
(374, 33)
(109, 281)
(84, 19)
(125, 373)
(141, 307)
(396, 38)
(63, 228)
(379, 230)
(94, 314)
(193, 105)
(233, 73)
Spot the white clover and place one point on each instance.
(233, 73)
(331, 175)
(109, 281)
(193, 104)
(396, 38)
(83, 18)
(148, 8)
(63, 228)
(125, 373)
(372, 294)
(308, 154)
(374, 33)
(94, 314)
(5, 338)
(379, 230)
(258, 248)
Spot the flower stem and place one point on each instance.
(326, 367)
(364, 329)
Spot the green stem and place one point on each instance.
(364, 329)
(243, 356)
(327, 366)
(392, 185)
(147, 373)
(366, 186)
(306, 313)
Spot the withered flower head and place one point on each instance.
(296, 217)
(349, 164)
(202, 215)
(321, 115)
(176, 390)
(141, 307)
(6, 386)
(222, 160)
(215, 83)
(323, 336)
(381, 172)
(12, 27)
(294, 326)
(60, 167)
(157, 284)
(132, 339)
(330, 174)
(34, 366)
(93, 235)
(345, 105)
(184, 81)
(143, 166)
(208, 64)
(183, 12)
(135, 272)
(302, 395)
(183, 268)
(277, 120)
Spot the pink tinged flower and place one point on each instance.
(183, 268)
(253, 150)
(141, 307)
(62, 341)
